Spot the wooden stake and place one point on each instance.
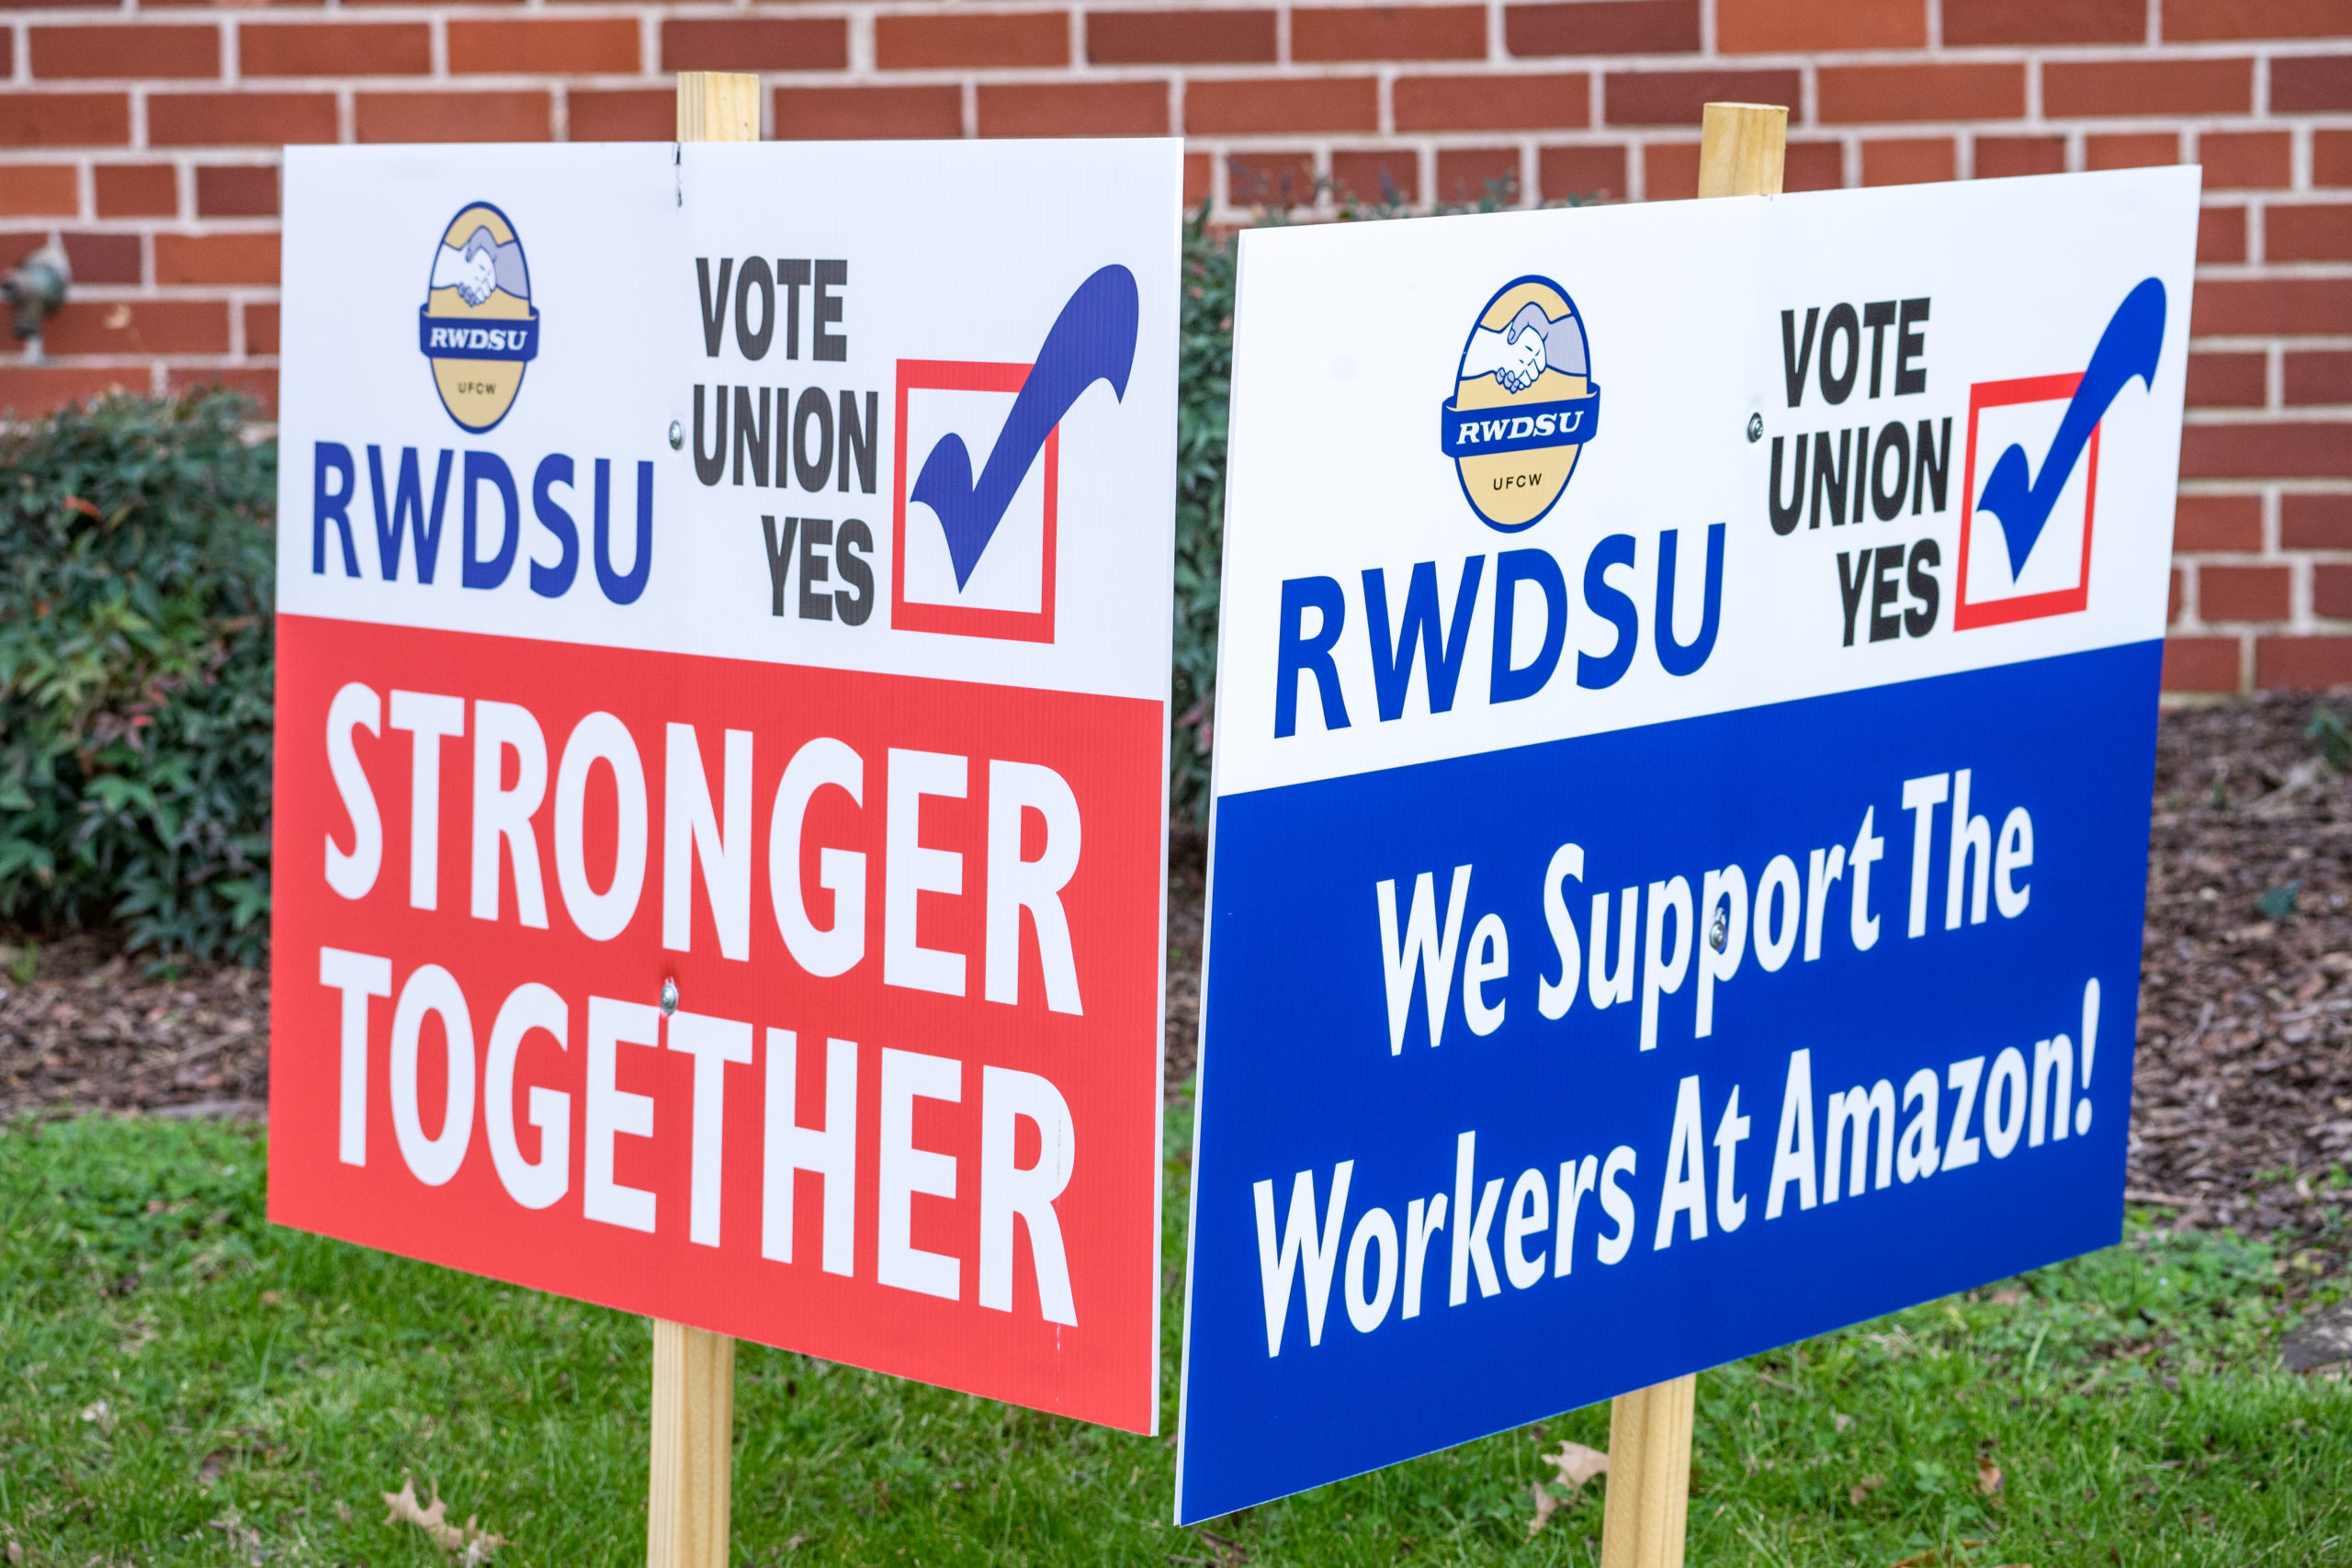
(694, 1448)
(717, 106)
(692, 1472)
(1742, 148)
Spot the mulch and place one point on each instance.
(2241, 1109)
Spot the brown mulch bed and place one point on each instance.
(2241, 1113)
(2242, 1106)
(95, 1030)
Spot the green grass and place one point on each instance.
(181, 1382)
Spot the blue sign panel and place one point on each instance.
(1710, 915)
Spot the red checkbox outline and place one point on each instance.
(956, 620)
(2023, 607)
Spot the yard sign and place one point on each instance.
(1686, 716)
(724, 602)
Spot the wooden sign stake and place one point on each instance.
(1742, 148)
(692, 1473)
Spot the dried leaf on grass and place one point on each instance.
(1988, 1478)
(1545, 1507)
(1576, 1465)
(1859, 1492)
(470, 1538)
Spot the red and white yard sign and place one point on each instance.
(720, 839)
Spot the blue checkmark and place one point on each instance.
(1093, 340)
(2134, 336)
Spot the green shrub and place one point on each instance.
(135, 672)
(1203, 376)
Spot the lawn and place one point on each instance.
(185, 1383)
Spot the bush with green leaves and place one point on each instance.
(1203, 377)
(135, 672)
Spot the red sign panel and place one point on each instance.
(899, 1110)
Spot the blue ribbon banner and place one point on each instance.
(510, 337)
(1517, 427)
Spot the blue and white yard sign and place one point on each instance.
(1685, 725)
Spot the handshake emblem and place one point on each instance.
(480, 266)
(1519, 354)
(1524, 405)
(478, 327)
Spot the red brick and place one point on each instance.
(2220, 234)
(2189, 21)
(140, 326)
(1603, 26)
(216, 259)
(239, 119)
(1388, 32)
(33, 391)
(2078, 87)
(1468, 175)
(1669, 170)
(236, 190)
(2179, 598)
(2217, 523)
(2242, 593)
(1968, 23)
(2301, 663)
(1791, 26)
(857, 113)
(2332, 590)
(2307, 233)
(2140, 150)
(2303, 84)
(1491, 102)
(2229, 380)
(1074, 108)
(1375, 179)
(2321, 520)
(65, 120)
(1862, 94)
(2247, 160)
(2312, 449)
(576, 45)
(624, 114)
(2000, 157)
(1909, 162)
(1813, 166)
(1674, 97)
(334, 49)
(103, 258)
(137, 190)
(956, 42)
(2332, 157)
(1199, 178)
(2200, 664)
(1270, 179)
(1327, 103)
(451, 117)
(39, 190)
(1180, 37)
(257, 383)
(765, 43)
(261, 327)
(2322, 376)
(1581, 173)
(2261, 306)
(179, 53)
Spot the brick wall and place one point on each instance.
(145, 135)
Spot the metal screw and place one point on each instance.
(670, 995)
(1754, 429)
(678, 435)
(1720, 932)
